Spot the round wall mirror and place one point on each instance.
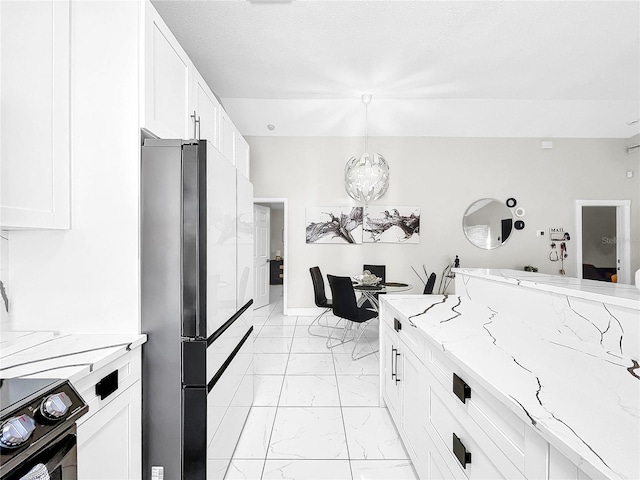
(487, 223)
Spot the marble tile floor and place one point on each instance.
(316, 413)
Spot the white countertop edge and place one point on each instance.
(115, 345)
(591, 469)
(558, 284)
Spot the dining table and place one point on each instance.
(370, 292)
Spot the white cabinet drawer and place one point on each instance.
(129, 368)
(407, 332)
(443, 425)
(501, 426)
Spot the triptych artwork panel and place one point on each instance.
(355, 225)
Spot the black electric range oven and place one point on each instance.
(37, 429)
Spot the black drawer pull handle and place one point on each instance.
(461, 389)
(393, 356)
(397, 377)
(107, 385)
(460, 452)
(397, 325)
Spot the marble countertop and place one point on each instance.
(583, 400)
(46, 355)
(605, 292)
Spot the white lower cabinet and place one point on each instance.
(450, 436)
(110, 435)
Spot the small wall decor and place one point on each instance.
(519, 224)
(391, 224)
(334, 225)
(511, 202)
(520, 212)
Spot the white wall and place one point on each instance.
(87, 279)
(443, 176)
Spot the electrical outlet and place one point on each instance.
(539, 233)
(157, 473)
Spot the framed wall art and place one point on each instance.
(391, 224)
(334, 225)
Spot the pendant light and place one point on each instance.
(366, 178)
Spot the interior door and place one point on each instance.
(599, 252)
(604, 240)
(262, 221)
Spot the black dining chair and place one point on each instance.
(431, 282)
(346, 307)
(320, 298)
(378, 270)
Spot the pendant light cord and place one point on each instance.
(366, 128)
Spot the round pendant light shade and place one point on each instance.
(366, 177)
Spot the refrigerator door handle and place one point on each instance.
(228, 323)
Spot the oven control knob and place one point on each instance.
(55, 406)
(16, 431)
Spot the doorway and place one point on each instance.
(270, 239)
(603, 243)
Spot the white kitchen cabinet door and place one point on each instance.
(35, 49)
(205, 106)
(415, 405)
(167, 81)
(109, 443)
(242, 155)
(227, 137)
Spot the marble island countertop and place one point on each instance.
(583, 399)
(611, 293)
(46, 355)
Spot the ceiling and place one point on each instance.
(435, 68)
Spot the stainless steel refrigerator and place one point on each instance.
(197, 288)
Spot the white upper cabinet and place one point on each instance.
(167, 81)
(227, 137)
(178, 103)
(206, 110)
(35, 109)
(242, 155)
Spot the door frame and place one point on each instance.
(623, 235)
(285, 253)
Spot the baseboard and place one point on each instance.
(304, 312)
